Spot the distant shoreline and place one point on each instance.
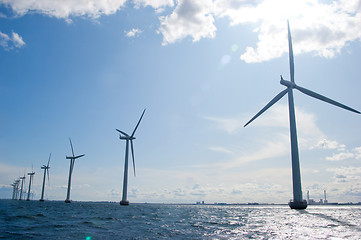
(204, 204)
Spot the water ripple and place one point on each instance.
(79, 220)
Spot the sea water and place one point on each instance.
(98, 220)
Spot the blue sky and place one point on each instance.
(202, 69)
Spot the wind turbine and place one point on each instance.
(31, 174)
(128, 138)
(72, 161)
(46, 172)
(21, 188)
(297, 202)
(15, 186)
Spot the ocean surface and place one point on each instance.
(97, 220)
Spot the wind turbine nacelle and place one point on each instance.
(287, 83)
(69, 157)
(127, 137)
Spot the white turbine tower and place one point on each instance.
(72, 161)
(31, 174)
(128, 138)
(22, 185)
(46, 172)
(297, 202)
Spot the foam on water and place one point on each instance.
(87, 220)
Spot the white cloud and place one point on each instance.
(230, 125)
(343, 186)
(357, 152)
(261, 185)
(340, 156)
(346, 171)
(277, 116)
(346, 174)
(17, 40)
(190, 18)
(8, 173)
(65, 8)
(221, 149)
(8, 43)
(309, 134)
(277, 147)
(134, 32)
(328, 144)
(159, 5)
(4, 40)
(345, 154)
(317, 27)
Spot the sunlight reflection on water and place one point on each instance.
(57, 220)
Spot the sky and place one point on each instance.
(201, 69)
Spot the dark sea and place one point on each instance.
(98, 220)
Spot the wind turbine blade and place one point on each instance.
(131, 145)
(79, 156)
(122, 132)
(72, 149)
(138, 123)
(290, 52)
(48, 160)
(273, 101)
(325, 99)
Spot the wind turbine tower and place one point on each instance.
(46, 172)
(127, 138)
(298, 202)
(15, 186)
(31, 174)
(17, 182)
(72, 161)
(21, 188)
